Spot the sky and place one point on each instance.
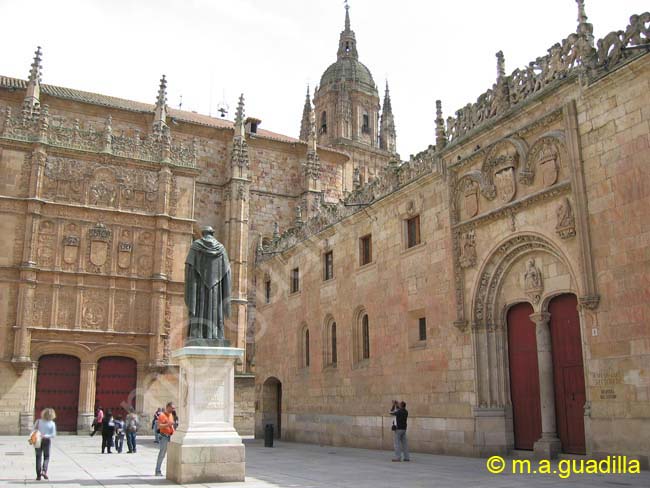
(270, 50)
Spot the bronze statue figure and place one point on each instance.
(207, 290)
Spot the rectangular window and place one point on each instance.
(365, 128)
(422, 325)
(295, 280)
(413, 231)
(267, 291)
(365, 250)
(328, 265)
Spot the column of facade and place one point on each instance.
(87, 386)
(29, 375)
(548, 446)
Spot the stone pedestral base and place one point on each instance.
(547, 447)
(206, 447)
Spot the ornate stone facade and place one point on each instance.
(533, 194)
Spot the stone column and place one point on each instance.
(87, 386)
(27, 415)
(548, 446)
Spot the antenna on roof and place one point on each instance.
(222, 106)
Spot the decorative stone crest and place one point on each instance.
(124, 251)
(467, 257)
(99, 236)
(566, 223)
(533, 282)
(504, 180)
(547, 160)
(70, 249)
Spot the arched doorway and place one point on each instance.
(272, 405)
(568, 372)
(57, 387)
(524, 376)
(116, 384)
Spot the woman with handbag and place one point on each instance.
(41, 438)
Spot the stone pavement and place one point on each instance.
(76, 462)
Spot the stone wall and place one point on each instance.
(544, 200)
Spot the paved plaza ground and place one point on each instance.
(76, 462)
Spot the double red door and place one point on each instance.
(116, 384)
(568, 373)
(524, 376)
(57, 387)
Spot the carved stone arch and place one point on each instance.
(485, 313)
(546, 156)
(497, 288)
(504, 156)
(80, 351)
(137, 354)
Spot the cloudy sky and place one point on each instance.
(213, 50)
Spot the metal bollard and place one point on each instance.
(268, 435)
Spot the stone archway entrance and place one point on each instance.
(524, 376)
(272, 405)
(57, 387)
(116, 384)
(568, 373)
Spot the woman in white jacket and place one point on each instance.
(46, 426)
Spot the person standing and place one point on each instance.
(108, 431)
(119, 434)
(46, 426)
(166, 428)
(154, 426)
(400, 440)
(97, 421)
(132, 424)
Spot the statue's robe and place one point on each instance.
(207, 288)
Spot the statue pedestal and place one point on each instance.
(206, 447)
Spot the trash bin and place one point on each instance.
(268, 435)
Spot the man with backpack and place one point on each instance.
(132, 424)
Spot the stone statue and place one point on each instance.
(207, 290)
(533, 284)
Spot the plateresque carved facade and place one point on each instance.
(99, 201)
(497, 282)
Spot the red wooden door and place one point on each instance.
(568, 372)
(116, 383)
(524, 376)
(57, 387)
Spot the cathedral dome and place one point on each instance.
(349, 69)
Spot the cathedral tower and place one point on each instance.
(347, 112)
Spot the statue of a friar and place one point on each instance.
(207, 290)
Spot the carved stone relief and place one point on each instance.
(67, 308)
(144, 253)
(566, 223)
(94, 309)
(505, 182)
(92, 183)
(533, 282)
(142, 312)
(467, 249)
(121, 311)
(42, 306)
(46, 247)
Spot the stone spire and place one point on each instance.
(306, 118)
(387, 134)
(347, 41)
(240, 119)
(160, 112)
(32, 102)
(239, 156)
(586, 32)
(441, 136)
